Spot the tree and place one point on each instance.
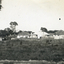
(3, 33)
(0, 7)
(43, 29)
(0, 4)
(7, 29)
(0, 1)
(19, 31)
(13, 26)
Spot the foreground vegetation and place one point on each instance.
(32, 49)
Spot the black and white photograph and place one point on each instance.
(31, 31)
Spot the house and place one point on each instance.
(41, 34)
(12, 37)
(33, 36)
(57, 35)
(23, 34)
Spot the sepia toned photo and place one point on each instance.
(31, 31)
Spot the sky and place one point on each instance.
(31, 15)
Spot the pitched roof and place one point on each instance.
(23, 33)
(41, 33)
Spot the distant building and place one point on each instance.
(34, 36)
(57, 35)
(23, 35)
(12, 37)
(41, 34)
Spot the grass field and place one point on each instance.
(32, 49)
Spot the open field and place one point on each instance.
(32, 49)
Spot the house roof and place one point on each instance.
(13, 36)
(41, 33)
(23, 33)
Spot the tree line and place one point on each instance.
(12, 30)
